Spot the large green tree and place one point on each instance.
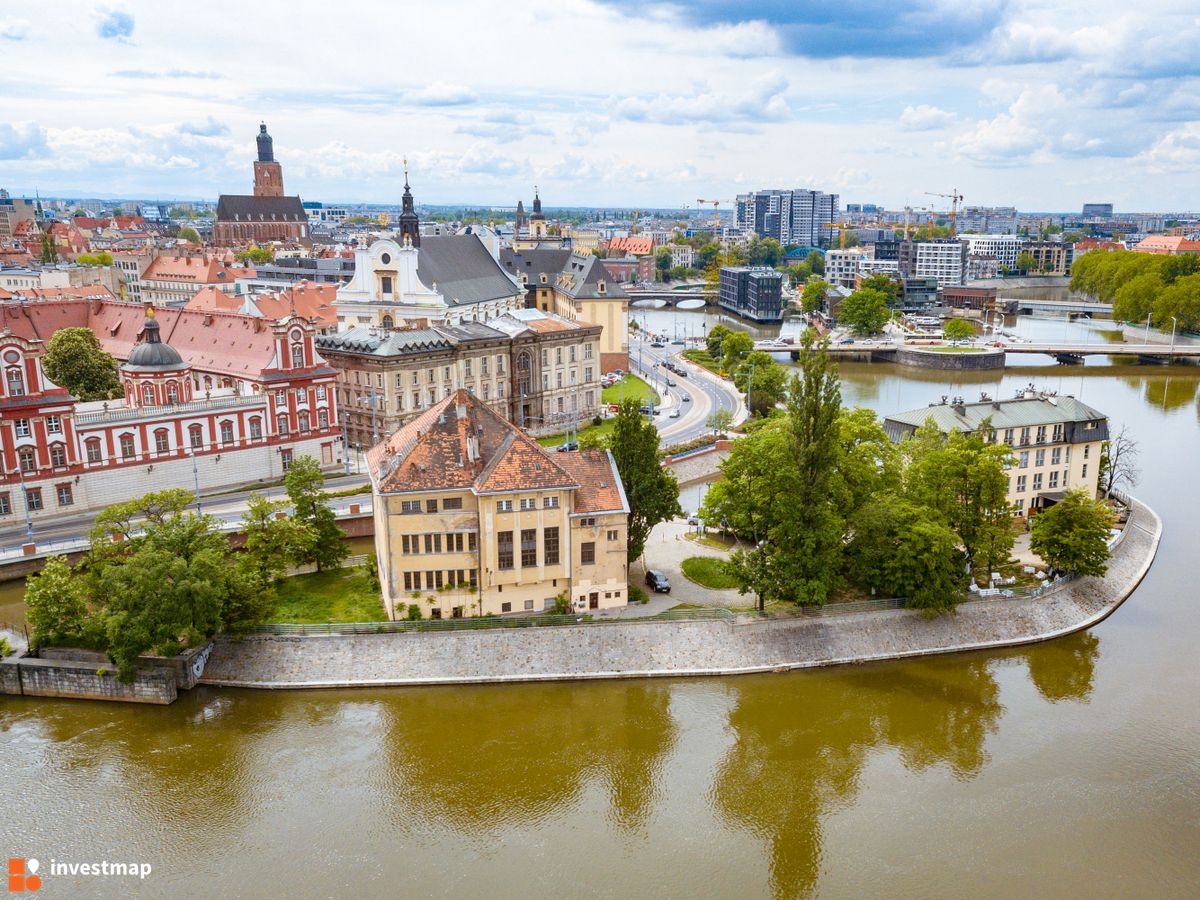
(813, 298)
(1072, 535)
(762, 380)
(652, 491)
(764, 252)
(271, 540)
(886, 286)
(305, 486)
(55, 606)
(189, 234)
(865, 311)
(75, 360)
(958, 330)
(736, 346)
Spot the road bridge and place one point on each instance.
(1063, 351)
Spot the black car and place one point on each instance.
(567, 447)
(658, 344)
(658, 582)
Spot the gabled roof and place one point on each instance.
(1021, 412)
(195, 270)
(248, 208)
(461, 443)
(600, 487)
(633, 245)
(463, 269)
(577, 274)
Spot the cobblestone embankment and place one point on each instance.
(643, 649)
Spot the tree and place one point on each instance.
(94, 259)
(958, 330)
(734, 348)
(764, 252)
(1179, 300)
(707, 254)
(49, 248)
(1118, 462)
(75, 360)
(902, 550)
(662, 262)
(865, 311)
(813, 298)
(720, 421)
(714, 340)
(651, 490)
(1072, 535)
(271, 540)
(256, 255)
(816, 262)
(1026, 261)
(55, 606)
(1133, 301)
(868, 461)
(886, 286)
(304, 483)
(189, 234)
(798, 273)
(765, 389)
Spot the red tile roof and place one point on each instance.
(308, 300)
(74, 292)
(195, 269)
(634, 245)
(600, 488)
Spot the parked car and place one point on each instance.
(658, 582)
(681, 371)
(678, 342)
(567, 446)
(646, 410)
(671, 382)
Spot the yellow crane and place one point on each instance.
(715, 204)
(954, 197)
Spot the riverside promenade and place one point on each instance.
(634, 648)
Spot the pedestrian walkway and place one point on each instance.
(666, 549)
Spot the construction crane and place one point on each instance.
(715, 204)
(954, 197)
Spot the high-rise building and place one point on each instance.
(987, 220)
(943, 260)
(796, 216)
(752, 292)
(1097, 210)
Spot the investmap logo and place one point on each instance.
(23, 876)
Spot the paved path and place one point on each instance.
(666, 549)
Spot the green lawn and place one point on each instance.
(702, 358)
(603, 429)
(630, 388)
(342, 595)
(708, 572)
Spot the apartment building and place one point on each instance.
(1049, 257)
(751, 292)
(943, 260)
(842, 267)
(1055, 440)
(1003, 248)
(473, 517)
(797, 216)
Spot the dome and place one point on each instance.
(150, 352)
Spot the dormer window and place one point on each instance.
(600, 289)
(15, 381)
(297, 356)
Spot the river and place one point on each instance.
(1064, 769)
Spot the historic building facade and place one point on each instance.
(265, 215)
(473, 517)
(234, 407)
(534, 368)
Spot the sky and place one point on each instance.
(1039, 104)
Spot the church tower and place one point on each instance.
(410, 225)
(520, 223)
(537, 221)
(268, 174)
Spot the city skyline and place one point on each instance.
(1027, 104)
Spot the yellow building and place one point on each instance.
(1055, 439)
(474, 517)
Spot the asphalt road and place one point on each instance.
(706, 392)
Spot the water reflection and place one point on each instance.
(798, 753)
(481, 759)
(1064, 669)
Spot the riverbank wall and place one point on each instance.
(87, 675)
(639, 648)
(934, 359)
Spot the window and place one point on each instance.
(1083, 473)
(1041, 434)
(452, 503)
(26, 459)
(503, 506)
(558, 356)
(1039, 458)
(505, 607)
(1020, 505)
(550, 546)
(302, 420)
(281, 397)
(550, 502)
(1020, 484)
(545, 357)
(405, 547)
(58, 455)
(321, 389)
(587, 521)
(587, 351)
(1086, 450)
(22, 428)
(126, 446)
(1058, 432)
(1024, 436)
(16, 382)
(93, 450)
(5, 505)
(33, 499)
(322, 419)
(587, 553)
(1056, 456)
(285, 458)
(558, 379)
(466, 369)
(1023, 460)
(408, 585)
(63, 492)
(504, 546)
(408, 507)
(528, 547)
(148, 395)
(528, 503)
(162, 441)
(227, 431)
(471, 541)
(1053, 479)
(386, 282)
(431, 506)
(529, 604)
(53, 425)
(255, 429)
(613, 534)
(587, 373)
(297, 356)
(1037, 481)
(281, 424)
(172, 393)
(1008, 436)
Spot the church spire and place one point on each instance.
(410, 225)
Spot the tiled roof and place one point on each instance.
(634, 245)
(463, 270)
(462, 443)
(195, 269)
(1038, 409)
(248, 208)
(600, 488)
(74, 292)
(308, 300)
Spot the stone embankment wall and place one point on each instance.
(931, 359)
(647, 648)
(87, 675)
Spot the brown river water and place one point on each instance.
(1060, 770)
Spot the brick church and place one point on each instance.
(266, 215)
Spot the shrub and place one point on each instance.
(597, 422)
(5, 648)
(637, 595)
(414, 612)
(562, 606)
(370, 568)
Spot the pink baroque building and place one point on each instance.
(235, 408)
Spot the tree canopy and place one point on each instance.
(651, 490)
(1143, 284)
(763, 381)
(75, 360)
(813, 298)
(1072, 535)
(865, 311)
(189, 234)
(324, 545)
(958, 330)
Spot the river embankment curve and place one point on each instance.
(645, 649)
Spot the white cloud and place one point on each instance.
(1177, 151)
(925, 118)
(13, 29)
(442, 94)
(761, 101)
(22, 140)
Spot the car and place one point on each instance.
(674, 413)
(678, 342)
(681, 371)
(646, 410)
(686, 398)
(671, 382)
(846, 341)
(567, 446)
(657, 581)
(657, 345)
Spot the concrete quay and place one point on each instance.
(641, 649)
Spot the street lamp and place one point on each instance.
(195, 479)
(25, 496)
(1146, 339)
(1173, 324)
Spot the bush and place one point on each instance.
(597, 422)
(5, 648)
(414, 612)
(637, 595)
(562, 606)
(370, 568)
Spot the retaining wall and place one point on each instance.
(931, 359)
(87, 675)
(632, 649)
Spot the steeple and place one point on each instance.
(410, 225)
(266, 150)
(520, 223)
(537, 206)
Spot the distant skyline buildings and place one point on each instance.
(799, 216)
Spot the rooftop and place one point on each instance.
(1028, 408)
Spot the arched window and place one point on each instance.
(322, 418)
(94, 454)
(297, 356)
(255, 429)
(208, 382)
(302, 418)
(148, 395)
(172, 393)
(58, 455)
(387, 322)
(126, 446)
(196, 437)
(226, 432)
(225, 382)
(162, 441)
(524, 372)
(281, 424)
(27, 460)
(15, 381)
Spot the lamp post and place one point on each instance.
(1173, 324)
(25, 497)
(1146, 339)
(195, 480)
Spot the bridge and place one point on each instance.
(1062, 351)
(1071, 307)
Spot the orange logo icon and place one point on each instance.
(22, 875)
